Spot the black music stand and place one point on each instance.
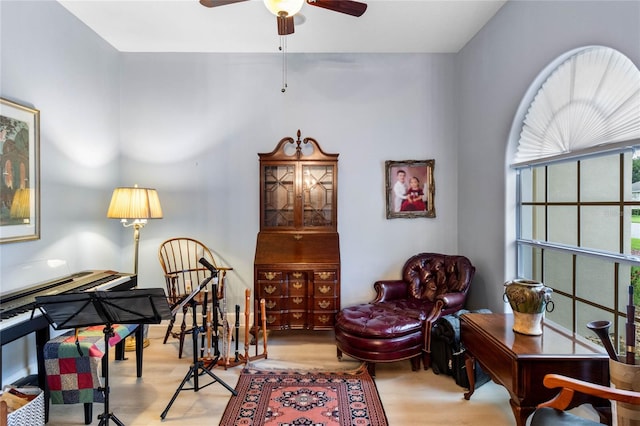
(135, 306)
(197, 368)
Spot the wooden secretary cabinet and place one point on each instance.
(297, 260)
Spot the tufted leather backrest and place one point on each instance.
(432, 274)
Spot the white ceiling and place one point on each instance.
(402, 26)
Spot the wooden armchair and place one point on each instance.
(551, 413)
(179, 259)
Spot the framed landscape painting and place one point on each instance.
(410, 189)
(20, 166)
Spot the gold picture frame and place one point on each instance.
(20, 167)
(410, 189)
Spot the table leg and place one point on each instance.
(520, 413)
(470, 363)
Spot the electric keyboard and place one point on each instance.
(18, 313)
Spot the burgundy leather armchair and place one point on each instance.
(396, 325)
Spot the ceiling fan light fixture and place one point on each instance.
(290, 7)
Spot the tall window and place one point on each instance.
(579, 233)
(578, 187)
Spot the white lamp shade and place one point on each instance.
(134, 203)
(291, 7)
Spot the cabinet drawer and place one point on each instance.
(297, 302)
(323, 320)
(274, 320)
(297, 288)
(324, 304)
(269, 289)
(325, 276)
(270, 276)
(324, 290)
(297, 283)
(298, 319)
(272, 304)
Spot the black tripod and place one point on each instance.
(104, 417)
(197, 368)
(74, 310)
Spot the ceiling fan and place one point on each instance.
(286, 9)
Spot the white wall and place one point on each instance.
(193, 124)
(494, 72)
(51, 62)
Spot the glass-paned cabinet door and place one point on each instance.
(298, 188)
(317, 195)
(279, 195)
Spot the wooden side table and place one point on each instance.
(519, 362)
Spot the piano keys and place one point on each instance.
(18, 313)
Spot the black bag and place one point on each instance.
(448, 353)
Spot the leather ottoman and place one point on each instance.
(380, 333)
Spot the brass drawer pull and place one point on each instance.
(270, 304)
(297, 275)
(297, 285)
(297, 315)
(271, 319)
(324, 289)
(324, 275)
(270, 275)
(324, 319)
(324, 304)
(297, 300)
(270, 289)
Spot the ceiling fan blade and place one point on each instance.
(353, 8)
(285, 24)
(216, 3)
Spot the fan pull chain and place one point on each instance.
(283, 48)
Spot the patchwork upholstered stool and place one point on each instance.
(74, 367)
(379, 333)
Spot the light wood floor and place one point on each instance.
(409, 398)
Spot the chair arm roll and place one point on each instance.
(452, 299)
(390, 290)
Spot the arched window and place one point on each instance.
(578, 186)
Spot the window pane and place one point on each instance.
(526, 222)
(623, 292)
(539, 186)
(526, 185)
(562, 311)
(530, 262)
(631, 232)
(562, 184)
(600, 228)
(587, 313)
(600, 178)
(558, 270)
(594, 280)
(532, 184)
(562, 225)
(631, 177)
(532, 223)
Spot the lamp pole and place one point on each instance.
(136, 242)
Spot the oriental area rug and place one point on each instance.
(292, 398)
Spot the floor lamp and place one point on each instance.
(134, 206)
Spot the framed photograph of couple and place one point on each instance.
(410, 189)
(20, 166)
